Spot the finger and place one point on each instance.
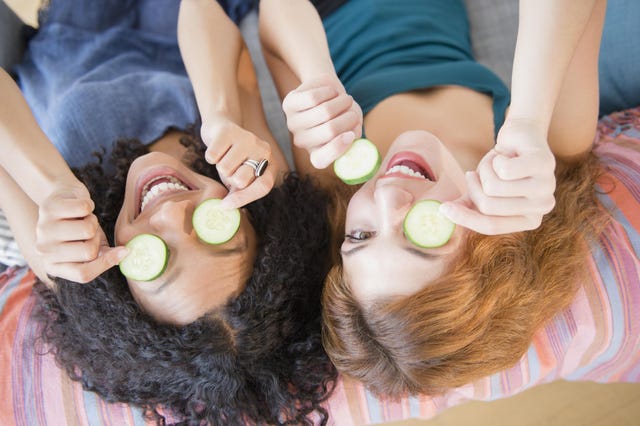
(326, 132)
(522, 166)
(88, 271)
(302, 100)
(258, 189)
(217, 150)
(472, 219)
(501, 206)
(70, 230)
(242, 177)
(74, 251)
(493, 186)
(232, 160)
(66, 208)
(320, 114)
(328, 153)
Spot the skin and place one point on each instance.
(376, 212)
(508, 182)
(51, 212)
(183, 294)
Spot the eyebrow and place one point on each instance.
(241, 245)
(408, 249)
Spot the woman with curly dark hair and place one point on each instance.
(227, 334)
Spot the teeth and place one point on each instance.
(151, 191)
(405, 171)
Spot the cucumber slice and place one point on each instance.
(213, 224)
(359, 163)
(147, 258)
(426, 227)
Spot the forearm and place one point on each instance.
(292, 31)
(210, 44)
(22, 214)
(28, 157)
(548, 33)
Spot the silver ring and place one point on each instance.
(258, 166)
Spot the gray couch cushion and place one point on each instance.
(11, 40)
(494, 28)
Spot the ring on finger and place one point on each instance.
(258, 167)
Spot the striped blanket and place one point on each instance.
(597, 338)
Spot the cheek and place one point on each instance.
(124, 231)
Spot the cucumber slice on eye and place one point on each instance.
(426, 227)
(213, 224)
(359, 163)
(147, 258)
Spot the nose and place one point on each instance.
(392, 202)
(172, 219)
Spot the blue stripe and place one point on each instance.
(11, 285)
(414, 406)
(373, 405)
(91, 402)
(617, 316)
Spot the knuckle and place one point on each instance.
(89, 252)
(223, 169)
(491, 187)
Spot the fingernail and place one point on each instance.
(226, 204)
(445, 209)
(122, 253)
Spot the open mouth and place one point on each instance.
(156, 186)
(409, 164)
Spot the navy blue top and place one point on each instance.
(101, 70)
(383, 47)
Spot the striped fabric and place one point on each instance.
(597, 338)
(9, 253)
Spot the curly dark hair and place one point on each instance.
(256, 360)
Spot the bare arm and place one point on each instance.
(210, 45)
(548, 35)
(48, 208)
(292, 31)
(322, 118)
(27, 154)
(553, 111)
(214, 55)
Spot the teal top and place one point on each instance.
(385, 47)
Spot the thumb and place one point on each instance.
(111, 256)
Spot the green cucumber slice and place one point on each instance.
(147, 258)
(213, 224)
(426, 227)
(359, 163)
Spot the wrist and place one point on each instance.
(525, 121)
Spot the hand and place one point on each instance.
(513, 186)
(323, 119)
(69, 238)
(228, 146)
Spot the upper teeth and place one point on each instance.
(151, 191)
(405, 171)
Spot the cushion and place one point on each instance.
(12, 42)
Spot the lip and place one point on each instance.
(151, 174)
(414, 158)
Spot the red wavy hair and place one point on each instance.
(479, 317)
